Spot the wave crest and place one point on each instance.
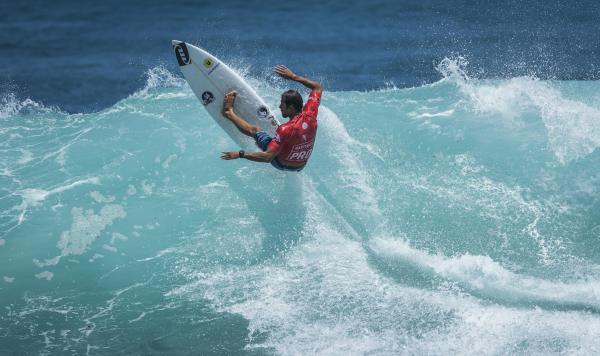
(573, 130)
(159, 77)
(10, 106)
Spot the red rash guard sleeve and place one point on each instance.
(311, 108)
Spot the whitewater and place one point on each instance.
(459, 217)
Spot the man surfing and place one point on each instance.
(293, 143)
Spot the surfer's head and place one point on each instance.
(291, 103)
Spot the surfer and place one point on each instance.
(294, 140)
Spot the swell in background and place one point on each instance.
(84, 57)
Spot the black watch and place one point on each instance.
(241, 153)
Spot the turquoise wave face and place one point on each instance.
(458, 217)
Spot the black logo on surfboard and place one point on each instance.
(207, 98)
(262, 112)
(182, 54)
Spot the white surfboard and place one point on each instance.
(210, 79)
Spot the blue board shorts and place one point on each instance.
(262, 141)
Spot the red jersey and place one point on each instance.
(295, 139)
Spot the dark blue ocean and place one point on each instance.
(451, 205)
(85, 56)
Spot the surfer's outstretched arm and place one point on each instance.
(266, 156)
(242, 125)
(288, 74)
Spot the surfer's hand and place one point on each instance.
(284, 72)
(230, 155)
(228, 102)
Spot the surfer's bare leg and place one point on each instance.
(242, 125)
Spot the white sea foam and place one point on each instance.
(96, 256)
(33, 197)
(49, 262)
(85, 229)
(168, 161)
(10, 105)
(148, 187)
(221, 183)
(99, 198)
(60, 153)
(468, 187)
(159, 77)
(161, 253)
(90, 325)
(482, 274)
(110, 248)
(429, 115)
(573, 128)
(47, 275)
(117, 236)
(494, 330)
(131, 190)
(26, 157)
(327, 299)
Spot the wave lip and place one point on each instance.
(11, 106)
(159, 77)
(573, 128)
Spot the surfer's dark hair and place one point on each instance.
(292, 97)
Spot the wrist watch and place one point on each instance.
(241, 153)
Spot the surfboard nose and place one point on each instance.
(181, 52)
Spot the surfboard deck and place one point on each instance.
(210, 79)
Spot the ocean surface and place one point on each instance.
(451, 204)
